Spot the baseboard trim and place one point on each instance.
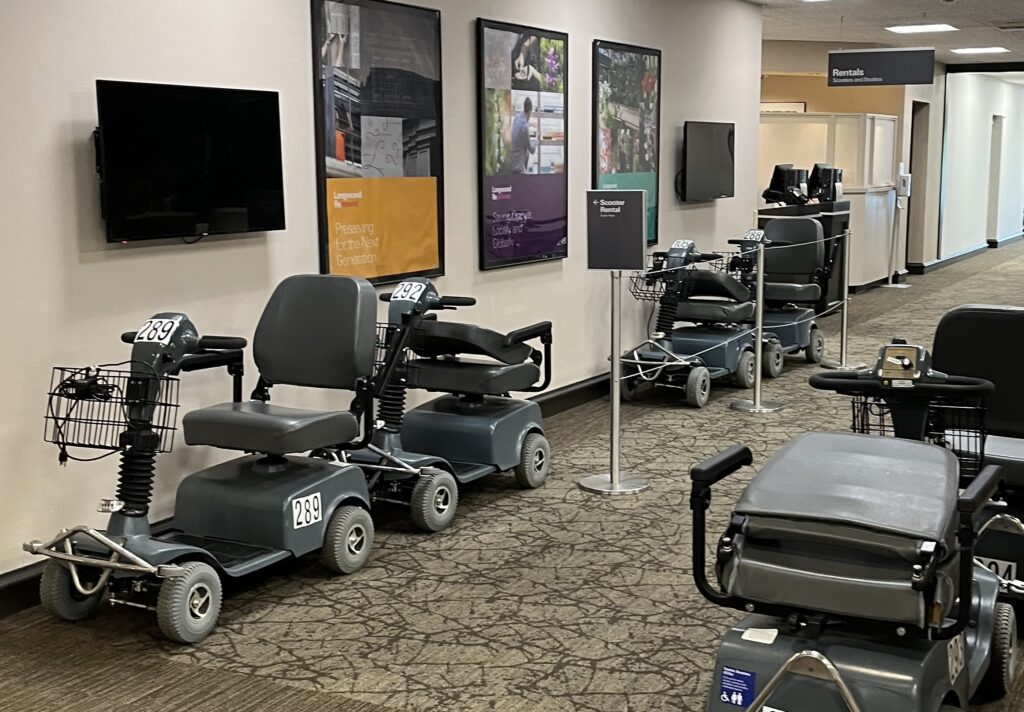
(901, 277)
(931, 265)
(575, 394)
(999, 242)
(19, 589)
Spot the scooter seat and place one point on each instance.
(471, 377)
(714, 312)
(790, 292)
(255, 426)
(835, 523)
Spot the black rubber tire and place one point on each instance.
(744, 376)
(59, 596)
(434, 501)
(816, 350)
(698, 387)
(188, 606)
(348, 540)
(772, 359)
(534, 461)
(999, 676)
(629, 387)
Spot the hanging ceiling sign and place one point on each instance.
(880, 67)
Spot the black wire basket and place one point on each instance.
(649, 285)
(110, 409)
(957, 424)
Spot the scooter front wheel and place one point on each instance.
(188, 605)
(534, 462)
(698, 386)
(61, 599)
(434, 501)
(348, 540)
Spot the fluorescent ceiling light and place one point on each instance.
(918, 29)
(981, 50)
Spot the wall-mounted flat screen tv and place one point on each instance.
(183, 161)
(708, 162)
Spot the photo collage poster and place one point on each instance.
(523, 141)
(379, 75)
(627, 122)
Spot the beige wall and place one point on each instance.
(821, 98)
(68, 295)
(796, 57)
(924, 239)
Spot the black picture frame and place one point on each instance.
(596, 127)
(316, 8)
(487, 262)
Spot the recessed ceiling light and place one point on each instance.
(917, 29)
(981, 50)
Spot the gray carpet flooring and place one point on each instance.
(534, 601)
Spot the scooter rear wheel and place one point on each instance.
(816, 350)
(59, 596)
(348, 540)
(698, 387)
(534, 462)
(744, 377)
(999, 677)
(773, 359)
(434, 501)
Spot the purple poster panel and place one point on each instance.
(523, 126)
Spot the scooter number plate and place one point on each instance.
(306, 511)
(408, 292)
(157, 331)
(1006, 570)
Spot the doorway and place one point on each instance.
(920, 126)
(995, 174)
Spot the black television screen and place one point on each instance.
(181, 161)
(709, 161)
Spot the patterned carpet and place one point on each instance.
(540, 601)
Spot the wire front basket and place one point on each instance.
(649, 285)
(957, 424)
(110, 409)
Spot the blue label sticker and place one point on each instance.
(738, 687)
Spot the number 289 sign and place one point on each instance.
(306, 510)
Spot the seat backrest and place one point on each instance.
(709, 283)
(986, 341)
(318, 331)
(802, 250)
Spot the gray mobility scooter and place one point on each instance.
(793, 268)
(852, 556)
(718, 342)
(987, 341)
(419, 459)
(236, 517)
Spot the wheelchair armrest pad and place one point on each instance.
(518, 336)
(981, 489)
(719, 466)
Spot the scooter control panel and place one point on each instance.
(903, 365)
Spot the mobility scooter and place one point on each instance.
(853, 558)
(718, 344)
(236, 517)
(418, 459)
(793, 267)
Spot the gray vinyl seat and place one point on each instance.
(317, 331)
(714, 297)
(440, 346)
(798, 258)
(987, 341)
(835, 522)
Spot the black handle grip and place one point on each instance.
(222, 342)
(855, 383)
(128, 337)
(981, 489)
(456, 301)
(719, 466)
(385, 297)
(541, 328)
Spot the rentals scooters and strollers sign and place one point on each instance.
(880, 67)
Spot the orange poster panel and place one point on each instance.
(381, 227)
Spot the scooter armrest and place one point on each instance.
(533, 331)
(981, 489)
(719, 466)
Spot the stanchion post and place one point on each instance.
(844, 323)
(756, 406)
(891, 282)
(614, 483)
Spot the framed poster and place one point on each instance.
(627, 122)
(523, 121)
(380, 172)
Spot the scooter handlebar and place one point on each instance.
(222, 342)
(456, 302)
(867, 383)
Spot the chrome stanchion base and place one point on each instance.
(830, 364)
(749, 406)
(898, 285)
(602, 484)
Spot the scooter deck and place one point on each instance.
(235, 558)
(469, 471)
